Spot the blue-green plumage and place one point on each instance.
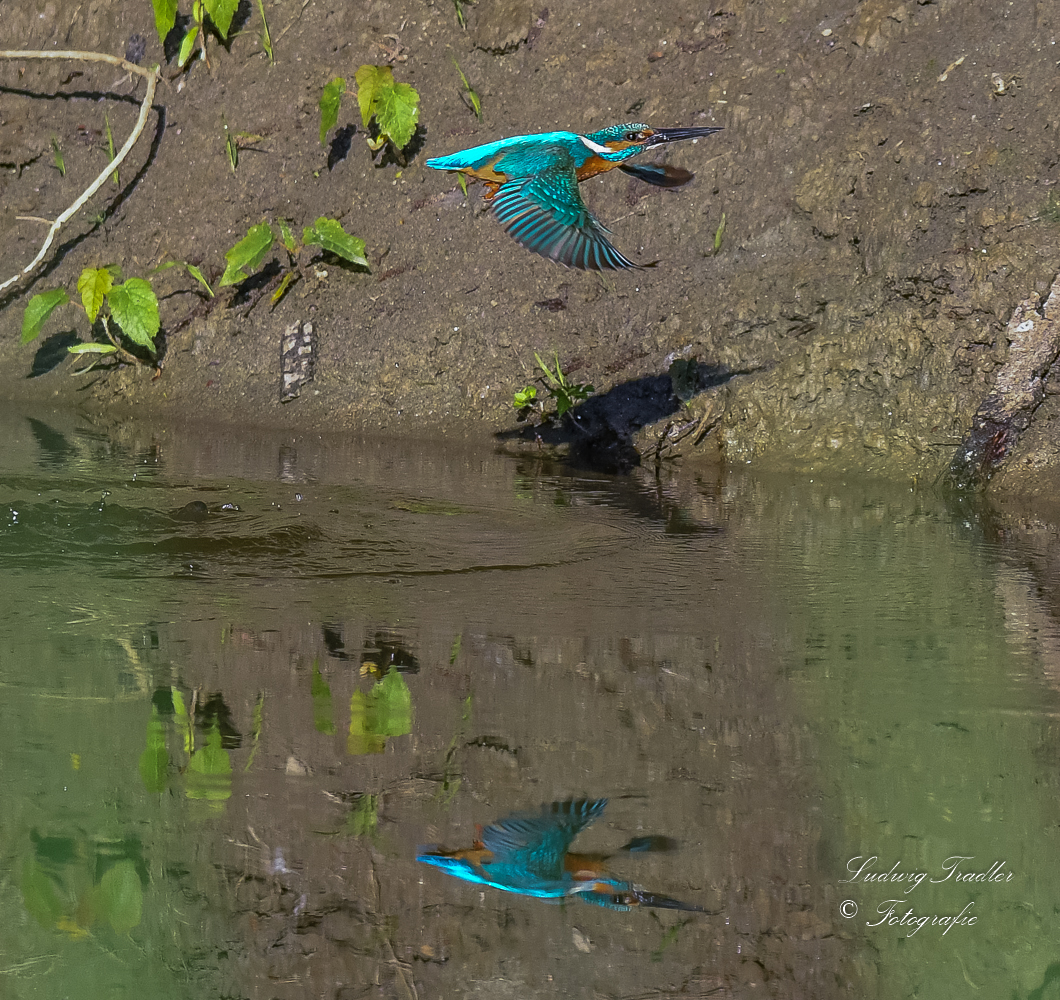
(527, 853)
(533, 181)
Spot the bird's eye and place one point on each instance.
(635, 136)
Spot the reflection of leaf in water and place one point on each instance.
(363, 818)
(180, 717)
(385, 711)
(154, 761)
(321, 695)
(210, 769)
(362, 737)
(393, 705)
(121, 897)
(39, 895)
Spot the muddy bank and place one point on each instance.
(886, 175)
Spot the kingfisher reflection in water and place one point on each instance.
(527, 853)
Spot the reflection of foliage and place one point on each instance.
(154, 761)
(59, 893)
(321, 695)
(210, 770)
(450, 777)
(363, 818)
(386, 710)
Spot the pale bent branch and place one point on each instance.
(150, 75)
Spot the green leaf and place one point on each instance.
(92, 348)
(370, 79)
(134, 306)
(329, 234)
(57, 155)
(476, 104)
(524, 397)
(187, 45)
(266, 35)
(221, 13)
(397, 110)
(121, 897)
(287, 237)
(197, 275)
(288, 279)
(93, 286)
(248, 252)
(39, 309)
(329, 106)
(165, 17)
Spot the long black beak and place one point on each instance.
(665, 135)
(666, 903)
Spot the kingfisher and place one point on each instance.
(526, 853)
(532, 185)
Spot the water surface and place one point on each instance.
(243, 677)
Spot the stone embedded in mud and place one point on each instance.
(500, 26)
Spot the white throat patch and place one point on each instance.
(595, 147)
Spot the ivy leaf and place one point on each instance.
(165, 17)
(39, 309)
(329, 234)
(134, 306)
(397, 110)
(248, 252)
(370, 80)
(221, 13)
(329, 106)
(93, 286)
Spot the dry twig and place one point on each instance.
(150, 75)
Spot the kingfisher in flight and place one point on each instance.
(526, 853)
(532, 185)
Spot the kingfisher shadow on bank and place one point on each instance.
(599, 432)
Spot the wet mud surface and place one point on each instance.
(886, 175)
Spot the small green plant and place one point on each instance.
(220, 13)
(131, 304)
(266, 35)
(393, 107)
(110, 146)
(472, 100)
(460, 5)
(719, 233)
(557, 385)
(325, 233)
(57, 156)
(330, 98)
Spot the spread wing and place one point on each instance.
(546, 214)
(537, 842)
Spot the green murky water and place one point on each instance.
(243, 678)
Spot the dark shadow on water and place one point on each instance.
(55, 450)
